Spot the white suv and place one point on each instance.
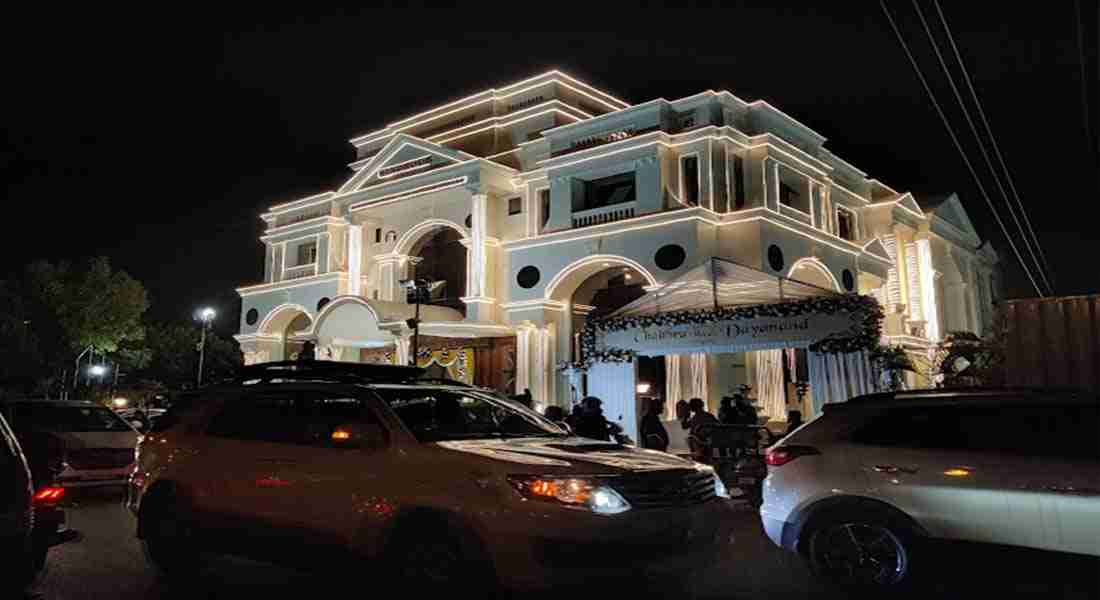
(312, 463)
(853, 490)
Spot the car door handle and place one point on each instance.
(893, 469)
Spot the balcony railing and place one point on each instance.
(603, 138)
(604, 214)
(300, 271)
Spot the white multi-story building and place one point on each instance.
(544, 201)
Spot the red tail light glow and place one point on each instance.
(49, 495)
(777, 457)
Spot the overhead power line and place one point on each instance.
(981, 145)
(996, 147)
(958, 146)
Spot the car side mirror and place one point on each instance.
(358, 435)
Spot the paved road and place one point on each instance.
(108, 563)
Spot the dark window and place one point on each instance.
(378, 235)
(775, 258)
(515, 206)
(307, 253)
(848, 280)
(544, 205)
(845, 224)
(324, 414)
(264, 417)
(738, 182)
(252, 316)
(528, 277)
(787, 195)
(670, 256)
(323, 302)
(65, 419)
(434, 415)
(609, 190)
(690, 176)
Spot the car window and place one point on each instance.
(434, 414)
(324, 414)
(266, 417)
(63, 419)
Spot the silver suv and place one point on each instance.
(309, 463)
(855, 490)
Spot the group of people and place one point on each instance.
(586, 420)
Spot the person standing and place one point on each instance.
(727, 414)
(654, 434)
(698, 420)
(592, 424)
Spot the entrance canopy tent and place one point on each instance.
(724, 306)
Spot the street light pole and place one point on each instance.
(206, 315)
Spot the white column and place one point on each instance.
(403, 347)
(543, 367)
(523, 357)
(773, 186)
(479, 212)
(354, 248)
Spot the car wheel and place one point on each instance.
(861, 551)
(168, 538)
(434, 556)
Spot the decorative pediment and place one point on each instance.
(907, 201)
(953, 212)
(403, 156)
(877, 249)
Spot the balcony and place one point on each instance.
(300, 271)
(604, 214)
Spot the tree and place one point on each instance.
(174, 355)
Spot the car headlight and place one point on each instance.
(586, 493)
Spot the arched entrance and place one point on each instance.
(441, 253)
(287, 321)
(814, 272)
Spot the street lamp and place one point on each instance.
(206, 315)
(421, 291)
(97, 370)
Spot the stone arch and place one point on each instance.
(336, 303)
(276, 321)
(406, 243)
(566, 281)
(811, 270)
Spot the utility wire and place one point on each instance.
(996, 147)
(958, 146)
(1079, 16)
(978, 140)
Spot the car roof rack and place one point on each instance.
(325, 370)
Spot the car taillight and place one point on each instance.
(49, 496)
(777, 457)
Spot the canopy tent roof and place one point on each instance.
(718, 282)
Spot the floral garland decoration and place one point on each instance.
(866, 308)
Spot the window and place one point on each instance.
(264, 417)
(378, 235)
(307, 253)
(689, 179)
(845, 224)
(787, 195)
(441, 414)
(65, 419)
(515, 206)
(607, 191)
(323, 414)
(544, 205)
(738, 182)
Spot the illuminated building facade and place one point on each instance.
(546, 202)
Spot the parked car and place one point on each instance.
(856, 490)
(98, 444)
(434, 483)
(29, 517)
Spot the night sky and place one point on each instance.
(158, 139)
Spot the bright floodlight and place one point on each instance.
(643, 388)
(120, 402)
(97, 370)
(207, 314)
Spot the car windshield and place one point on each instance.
(440, 414)
(67, 418)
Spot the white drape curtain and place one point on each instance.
(699, 375)
(613, 383)
(838, 377)
(673, 391)
(770, 394)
